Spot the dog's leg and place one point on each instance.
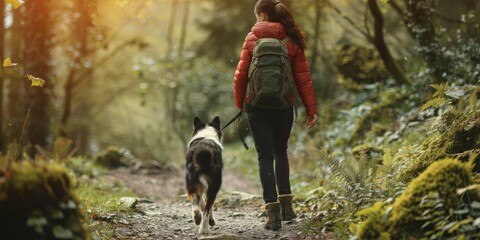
(196, 211)
(204, 228)
(207, 218)
(211, 219)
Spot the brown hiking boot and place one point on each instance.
(286, 204)
(273, 221)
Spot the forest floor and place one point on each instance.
(163, 211)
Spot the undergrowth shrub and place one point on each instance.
(110, 158)
(438, 204)
(458, 134)
(443, 178)
(353, 185)
(37, 202)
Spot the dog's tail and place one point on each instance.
(203, 158)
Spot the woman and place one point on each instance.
(271, 127)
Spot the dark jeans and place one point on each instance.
(271, 130)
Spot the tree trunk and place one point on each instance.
(81, 26)
(2, 79)
(38, 38)
(17, 85)
(379, 42)
(183, 35)
(316, 36)
(171, 27)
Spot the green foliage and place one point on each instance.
(386, 109)
(369, 153)
(225, 34)
(360, 65)
(460, 139)
(375, 224)
(461, 222)
(37, 202)
(110, 158)
(434, 103)
(62, 149)
(442, 200)
(102, 198)
(353, 185)
(84, 167)
(443, 178)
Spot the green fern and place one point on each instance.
(434, 103)
(440, 89)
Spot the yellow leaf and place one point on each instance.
(7, 62)
(15, 3)
(352, 227)
(36, 82)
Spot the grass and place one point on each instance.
(100, 199)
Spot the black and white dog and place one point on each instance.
(204, 171)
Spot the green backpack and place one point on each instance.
(270, 79)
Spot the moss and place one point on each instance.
(370, 153)
(443, 178)
(459, 141)
(110, 158)
(375, 226)
(62, 148)
(37, 202)
(384, 111)
(360, 65)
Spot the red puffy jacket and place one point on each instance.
(296, 55)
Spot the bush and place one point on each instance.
(425, 207)
(37, 202)
(110, 158)
(459, 141)
(442, 178)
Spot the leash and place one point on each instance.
(242, 138)
(233, 120)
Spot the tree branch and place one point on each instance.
(349, 20)
(379, 42)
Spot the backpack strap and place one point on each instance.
(284, 41)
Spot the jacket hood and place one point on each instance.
(269, 30)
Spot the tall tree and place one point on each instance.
(38, 37)
(80, 70)
(17, 106)
(316, 35)
(2, 79)
(379, 41)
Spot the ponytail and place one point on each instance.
(278, 12)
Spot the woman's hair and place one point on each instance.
(278, 12)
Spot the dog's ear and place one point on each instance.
(197, 123)
(216, 123)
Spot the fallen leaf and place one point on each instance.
(7, 62)
(36, 82)
(15, 3)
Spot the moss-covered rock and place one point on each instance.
(461, 141)
(370, 153)
(37, 202)
(360, 65)
(375, 225)
(110, 158)
(442, 178)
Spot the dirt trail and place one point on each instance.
(166, 213)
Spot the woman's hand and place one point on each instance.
(312, 120)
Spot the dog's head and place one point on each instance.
(214, 128)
